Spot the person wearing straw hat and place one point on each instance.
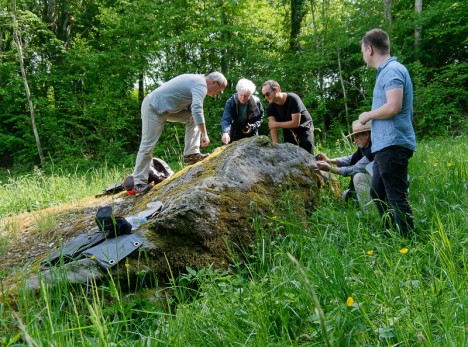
(354, 166)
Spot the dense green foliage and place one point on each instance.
(89, 63)
(373, 290)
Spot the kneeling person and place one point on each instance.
(354, 165)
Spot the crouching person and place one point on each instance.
(243, 113)
(355, 166)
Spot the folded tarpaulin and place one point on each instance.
(109, 252)
(73, 248)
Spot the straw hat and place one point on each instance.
(359, 128)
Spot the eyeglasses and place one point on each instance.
(267, 94)
(221, 89)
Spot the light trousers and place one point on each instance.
(152, 127)
(362, 184)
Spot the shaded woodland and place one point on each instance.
(73, 73)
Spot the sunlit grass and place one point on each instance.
(370, 289)
(38, 191)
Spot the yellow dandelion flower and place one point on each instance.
(370, 252)
(127, 265)
(436, 164)
(92, 257)
(449, 164)
(404, 250)
(349, 301)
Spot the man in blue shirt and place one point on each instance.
(393, 138)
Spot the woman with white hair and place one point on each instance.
(243, 113)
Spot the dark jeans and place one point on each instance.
(390, 187)
(303, 137)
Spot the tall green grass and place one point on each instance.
(36, 191)
(335, 280)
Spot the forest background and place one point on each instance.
(87, 64)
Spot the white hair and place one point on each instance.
(218, 77)
(245, 85)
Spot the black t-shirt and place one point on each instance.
(293, 104)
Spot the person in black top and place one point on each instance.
(243, 113)
(356, 166)
(287, 111)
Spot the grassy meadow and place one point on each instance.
(336, 281)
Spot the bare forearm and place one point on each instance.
(274, 135)
(202, 128)
(391, 108)
(205, 140)
(383, 112)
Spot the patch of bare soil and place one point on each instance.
(30, 237)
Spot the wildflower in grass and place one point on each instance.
(449, 164)
(127, 265)
(436, 164)
(349, 301)
(370, 252)
(404, 250)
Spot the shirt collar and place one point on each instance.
(386, 62)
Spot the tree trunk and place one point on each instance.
(417, 29)
(317, 44)
(343, 87)
(26, 86)
(226, 55)
(314, 25)
(297, 14)
(141, 87)
(388, 10)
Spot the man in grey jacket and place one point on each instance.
(179, 100)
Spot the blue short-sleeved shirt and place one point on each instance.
(397, 130)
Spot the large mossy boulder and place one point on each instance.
(209, 206)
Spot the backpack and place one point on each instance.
(111, 225)
(159, 171)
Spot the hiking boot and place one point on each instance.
(194, 158)
(129, 185)
(143, 188)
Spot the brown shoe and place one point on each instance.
(143, 188)
(194, 158)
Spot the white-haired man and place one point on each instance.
(243, 113)
(179, 100)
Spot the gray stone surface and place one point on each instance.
(210, 205)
